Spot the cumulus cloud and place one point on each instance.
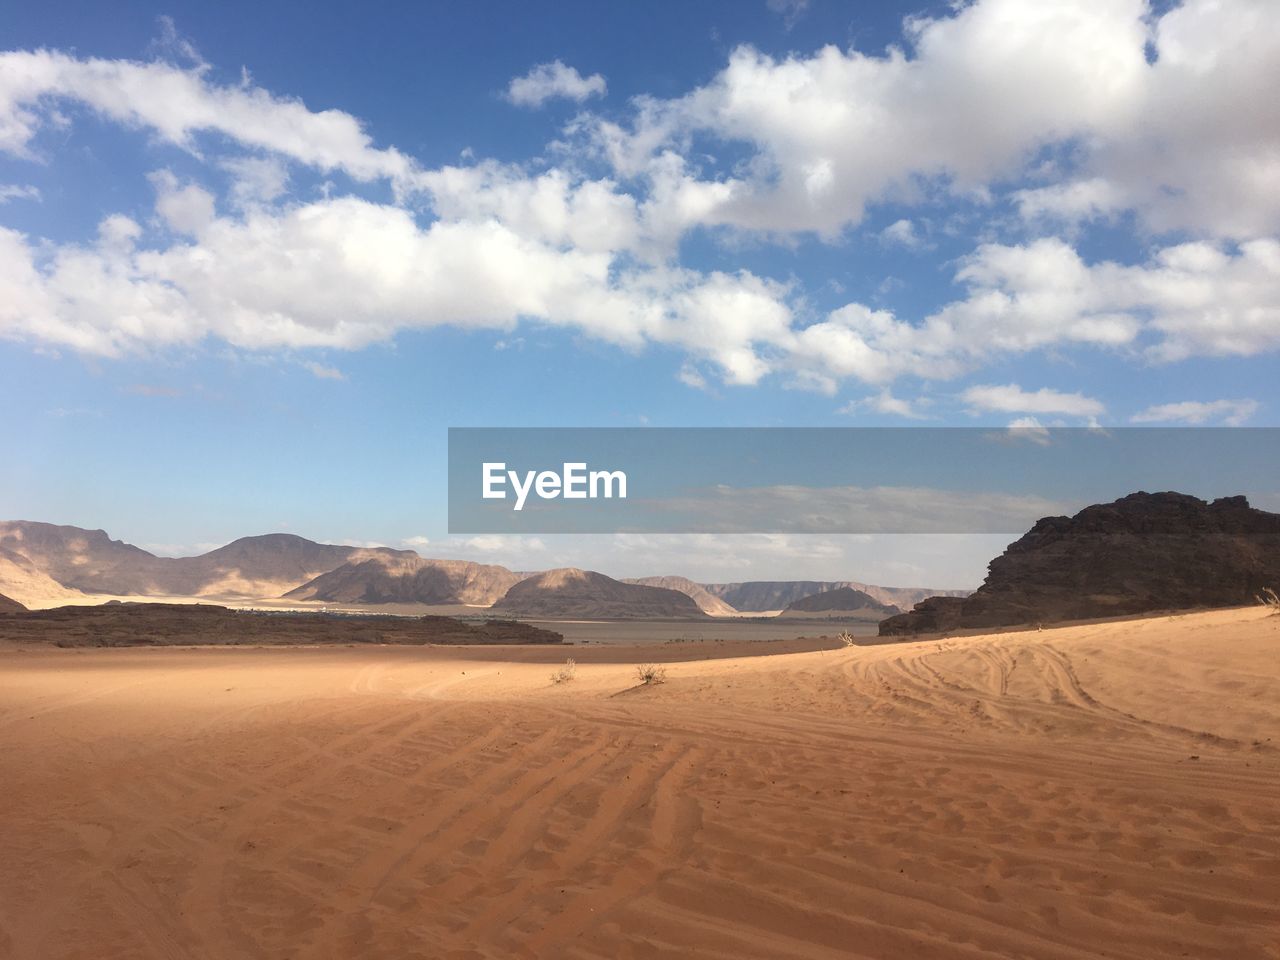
(1232, 413)
(547, 81)
(1010, 398)
(1182, 139)
(959, 109)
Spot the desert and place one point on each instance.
(1098, 790)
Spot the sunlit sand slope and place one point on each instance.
(1109, 790)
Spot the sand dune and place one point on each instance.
(1101, 790)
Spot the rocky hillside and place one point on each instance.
(843, 601)
(409, 579)
(23, 581)
(570, 593)
(707, 602)
(760, 596)
(90, 562)
(10, 606)
(1145, 552)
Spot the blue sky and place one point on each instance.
(254, 263)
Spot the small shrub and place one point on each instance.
(565, 673)
(846, 638)
(651, 673)
(1269, 599)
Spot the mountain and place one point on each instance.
(569, 593)
(1145, 552)
(760, 596)
(23, 581)
(262, 566)
(707, 602)
(10, 606)
(86, 560)
(841, 601)
(407, 578)
(89, 561)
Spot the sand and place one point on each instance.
(1105, 790)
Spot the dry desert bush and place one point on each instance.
(846, 638)
(651, 673)
(1269, 599)
(565, 673)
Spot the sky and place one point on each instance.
(256, 259)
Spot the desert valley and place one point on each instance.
(1097, 778)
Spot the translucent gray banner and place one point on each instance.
(834, 480)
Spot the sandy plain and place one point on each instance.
(1103, 790)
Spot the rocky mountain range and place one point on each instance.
(10, 606)
(46, 565)
(763, 596)
(841, 602)
(1143, 553)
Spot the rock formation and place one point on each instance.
(570, 593)
(1143, 553)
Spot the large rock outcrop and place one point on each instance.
(409, 579)
(572, 594)
(1143, 553)
(10, 606)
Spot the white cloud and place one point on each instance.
(1073, 201)
(885, 402)
(961, 110)
(323, 371)
(255, 180)
(15, 191)
(790, 10)
(187, 209)
(1184, 140)
(902, 233)
(175, 104)
(547, 81)
(1030, 430)
(1233, 413)
(1010, 398)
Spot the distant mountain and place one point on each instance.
(23, 581)
(1143, 553)
(10, 606)
(706, 601)
(91, 562)
(79, 559)
(407, 578)
(840, 602)
(569, 593)
(759, 596)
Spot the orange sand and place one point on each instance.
(1097, 791)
